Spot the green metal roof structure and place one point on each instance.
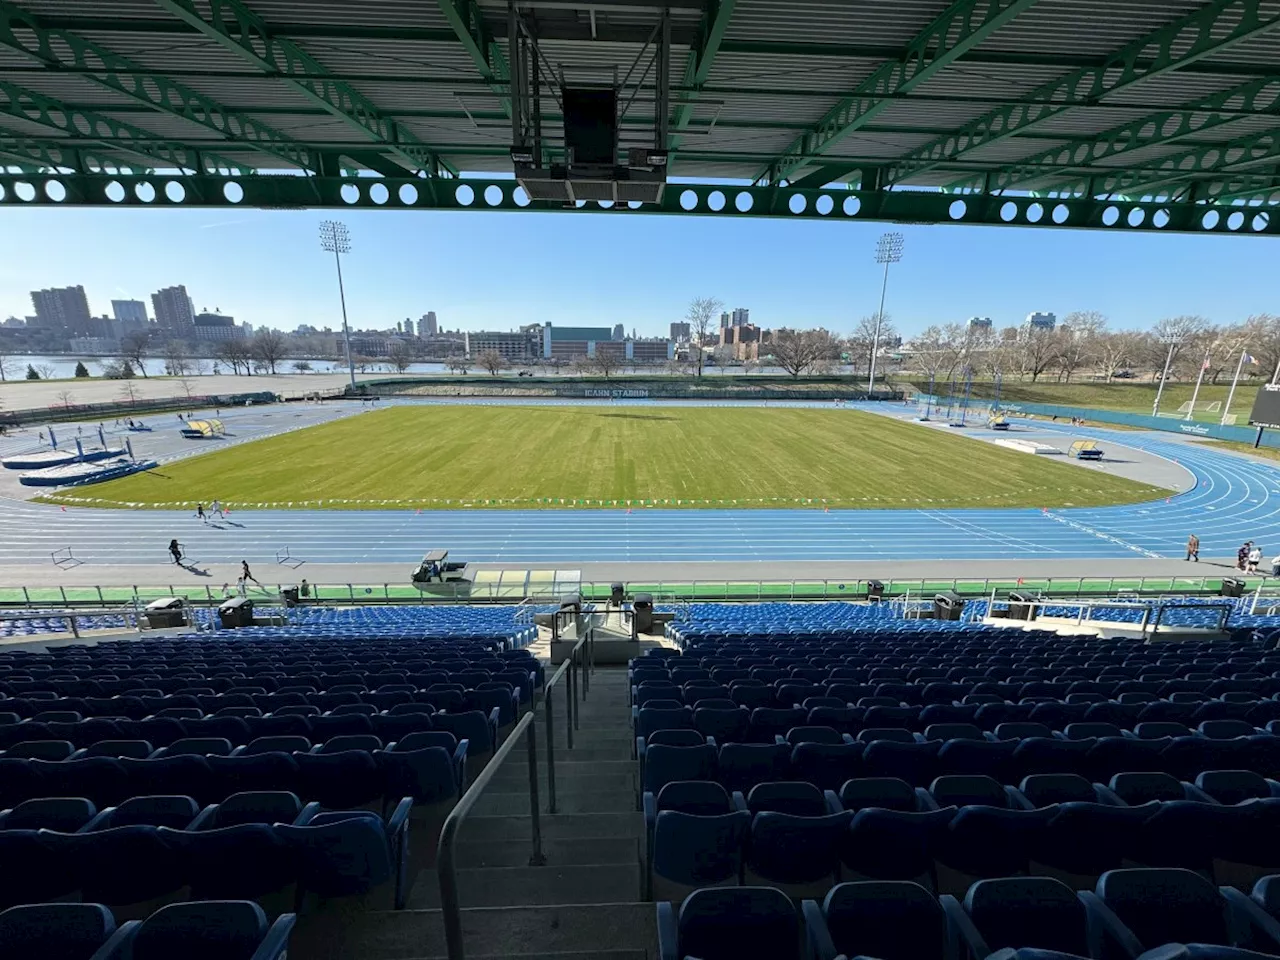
(1112, 114)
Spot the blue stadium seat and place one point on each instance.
(740, 766)
(58, 931)
(137, 749)
(692, 851)
(64, 814)
(347, 855)
(340, 781)
(890, 920)
(798, 854)
(1017, 912)
(960, 790)
(663, 764)
(888, 793)
(413, 768)
(886, 844)
(985, 842)
(797, 799)
(266, 807)
(273, 744)
(213, 930)
(132, 869)
(1138, 909)
(41, 750)
(1046, 789)
(826, 765)
(700, 797)
(730, 924)
(1236, 786)
(175, 812)
(725, 726)
(1136, 788)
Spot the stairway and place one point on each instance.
(585, 902)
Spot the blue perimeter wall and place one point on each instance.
(1167, 424)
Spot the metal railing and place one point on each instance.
(446, 870)
(580, 658)
(678, 592)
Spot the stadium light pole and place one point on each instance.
(335, 238)
(1172, 341)
(888, 250)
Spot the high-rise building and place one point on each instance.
(979, 323)
(174, 313)
(66, 308)
(681, 331)
(619, 332)
(1040, 321)
(427, 326)
(741, 317)
(130, 313)
(726, 320)
(216, 326)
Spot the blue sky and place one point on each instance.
(496, 270)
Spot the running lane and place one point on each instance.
(1233, 499)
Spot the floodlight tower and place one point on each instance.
(888, 250)
(335, 238)
(1172, 340)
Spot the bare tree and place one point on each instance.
(863, 340)
(401, 355)
(700, 316)
(749, 365)
(235, 353)
(1116, 351)
(800, 351)
(458, 365)
(606, 362)
(187, 387)
(269, 347)
(362, 363)
(4, 365)
(1261, 333)
(134, 346)
(301, 366)
(927, 350)
(1040, 350)
(65, 397)
(45, 370)
(1177, 337)
(492, 361)
(1080, 334)
(177, 361)
(128, 391)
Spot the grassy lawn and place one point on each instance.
(591, 456)
(1126, 397)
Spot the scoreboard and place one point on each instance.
(1266, 408)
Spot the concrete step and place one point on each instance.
(535, 886)
(559, 955)
(581, 754)
(560, 826)
(516, 803)
(569, 778)
(570, 931)
(560, 852)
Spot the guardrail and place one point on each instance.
(446, 871)
(679, 591)
(581, 657)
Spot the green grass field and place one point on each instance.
(511, 456)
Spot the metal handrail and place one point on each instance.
(570, 666)
(445, 869)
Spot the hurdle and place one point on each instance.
(64, 559)
(285, 558)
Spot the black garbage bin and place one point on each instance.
(571, 603)
(875, 590)
(289, 595)
(1231, 587)
(237, 612)
(642, 610)
(617, 593)
(1022, 605)
(947, 606)
(166, 612)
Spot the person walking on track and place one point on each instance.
(175, 550)
(1193, 548)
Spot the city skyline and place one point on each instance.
(262, 269)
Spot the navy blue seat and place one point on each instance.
(917, 763)
(176, 812)
(959, 790)
(744, 923)
(883, 844)
(57, 931)
(740, 766)
(248, 861)
(1017, 912)
(1046, 789)
(985, 842)
(214, 930)
(353, 854)
(769, 722)
(64, 814)
(415, 766)
(826, 765)
(664, 764)
(985, 757)
(700, 797)
(138, 749)
(890, 920)
(130, 866)
(340, 781)
(41, 750)
(799, 854)
(265, 807)
(725, 726)
(1236, 786)
(100, 779)
(1138, 909)
(1136, 788)
(692, 851)
(1046, 755)
(798, 799)
(889, 793)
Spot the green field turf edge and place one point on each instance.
(564, 457)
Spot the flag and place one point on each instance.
(1205, 365)
(1249, 359)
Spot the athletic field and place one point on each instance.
(560, 457)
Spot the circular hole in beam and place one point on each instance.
(744, 201)
(520, 196)
(175, 191)
(1111, 216)
(1160, 219)
(1261, 221)
(115, 192)
(146, 192)
(824, 204)
(957, 210)
(379, 193)
(1210, 220)
(1061, 213)
(408, 194)
(1137, 216)
(464, 195)
(55, 190)
(493, 195)
(350, 193)
(1235, 221)
(1035, 213)
(798, 203)
(24, 191)
(233, 191)
(688, 200)
(851, 206)
(715, 201)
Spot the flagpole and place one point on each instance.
(1196, 392)
(1235, 380)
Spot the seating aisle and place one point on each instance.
(586, 902)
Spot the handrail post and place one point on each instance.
(568, 706)
(548, 703)
(573, 685)
(537, 859)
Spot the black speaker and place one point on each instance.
(591, 126)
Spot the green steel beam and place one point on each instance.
(61, 49)
(827, 173)
(712, 200)
(1211, 30)
(964, 25)
(1259, 97)
(1192, 164)
(32, 107)
(237, 28)
(39, 155)
(1263, 186)
(467, 21)
(698, 65)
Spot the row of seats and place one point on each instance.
(209, 930)
(683, 754)
(807, 852)
(427, 766)
(1152, 914)
(352, 855)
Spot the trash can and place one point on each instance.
(237, 612)
(642, 610)
(571, 603)
(947, 606)
(289, 596)
(617, 593)
(875, 590)
(1231, 587)
(1022, 605)
(166, 612)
